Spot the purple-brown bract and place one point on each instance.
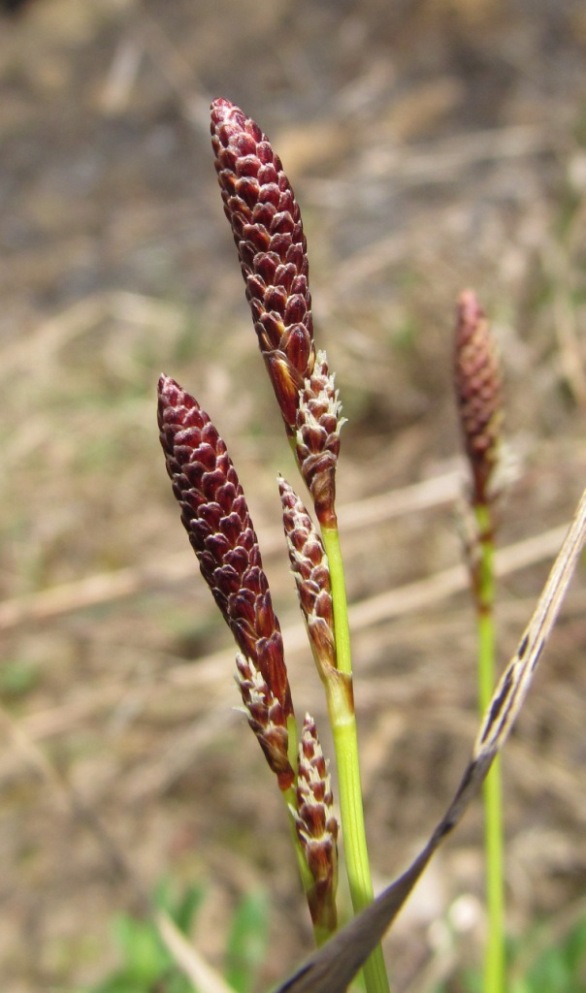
(266, 224)
(215, 515)
(266, 718)
(317, 438)
(478, 393)
(317, 826)
(310, 569)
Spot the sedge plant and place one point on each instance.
(477, 380)
(266, 225)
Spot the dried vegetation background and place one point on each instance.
(432, 145)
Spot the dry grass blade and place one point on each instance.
(107, 587)
(209, 671)
(332, 968)
(187, 959)
(204, 978)
(514, 684)
(111, 586)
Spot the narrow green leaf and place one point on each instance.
(247, 942)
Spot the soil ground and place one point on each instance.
(433, 145)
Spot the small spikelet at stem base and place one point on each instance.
(310, 568)
(266, 718)
(477, 380)
(266, 225)
(317, 438)
(317, 827)
(215, 515)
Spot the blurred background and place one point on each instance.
(433, 145)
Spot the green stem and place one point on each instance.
(494, 966)
(331, 540)
(343, 722)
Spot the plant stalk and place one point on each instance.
(340, 702)
(494, 964)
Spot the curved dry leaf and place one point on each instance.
(331, 968)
